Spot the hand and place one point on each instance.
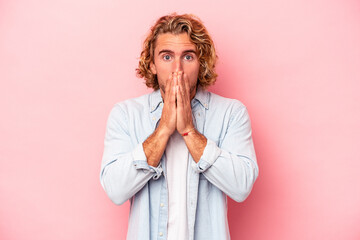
(168, 117)
(184, 120)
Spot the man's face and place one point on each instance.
(175, 53)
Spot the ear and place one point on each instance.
(153, 68)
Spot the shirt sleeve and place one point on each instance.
(124, 167)
(231, 166)
(209, 156)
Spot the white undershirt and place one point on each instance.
(176, 167)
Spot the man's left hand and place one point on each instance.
(184, 120)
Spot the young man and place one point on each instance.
(177, 152)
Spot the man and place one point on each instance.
(177, 152)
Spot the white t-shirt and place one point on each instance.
(176, 167)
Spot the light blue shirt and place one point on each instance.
(228, 165)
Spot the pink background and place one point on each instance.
(294, 64)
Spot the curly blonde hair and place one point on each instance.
(199, 36)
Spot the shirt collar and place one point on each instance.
(155, 100)
(202, 96)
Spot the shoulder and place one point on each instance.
(228, 109)
(136, 103)
(125, 108)
(217, 102)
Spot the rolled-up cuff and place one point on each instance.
(209, 156)
(140, 162)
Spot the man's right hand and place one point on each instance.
(154, 146)
(167, 122)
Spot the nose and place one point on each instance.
(177, 65)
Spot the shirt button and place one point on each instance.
(161, 204)
(160, 233)
(153, 118)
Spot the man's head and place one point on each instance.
(178, 43)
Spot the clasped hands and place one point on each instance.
(177, 113)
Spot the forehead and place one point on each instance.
(174, 42)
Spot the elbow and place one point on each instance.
(240, 196)
(244, 189)
(117, 196)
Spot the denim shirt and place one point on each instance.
(228, 165)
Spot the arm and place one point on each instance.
(194, 140)
(155, 145)
(232, 166)
(125, 169)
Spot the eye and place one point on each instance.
(166, 57)
(188, 57)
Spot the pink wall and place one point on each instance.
(295, 64)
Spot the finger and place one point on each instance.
(168, 87)
(173, 90)
(187, 86)
(181, 84)
(180, 106)
(183, 91)
(180, 99)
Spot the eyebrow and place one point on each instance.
(169, 51)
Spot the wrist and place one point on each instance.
(153, 163)
(187, 132)
(163, 132)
